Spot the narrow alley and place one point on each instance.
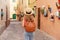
(45, 15)
(15, 31)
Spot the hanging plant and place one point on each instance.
(45, 13)
(42, 11)
(59, 15)
(51, 17)
(57, 5)
(50, 9)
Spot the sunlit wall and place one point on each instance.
(13, 3)
(52, 28)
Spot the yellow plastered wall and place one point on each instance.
(32, 3)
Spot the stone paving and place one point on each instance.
(15, 31)
(2, 26)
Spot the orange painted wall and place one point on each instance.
(52, 28)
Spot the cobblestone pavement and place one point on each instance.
(16, 32)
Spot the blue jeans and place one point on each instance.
(28, 35)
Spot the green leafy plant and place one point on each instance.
(59, 13)
(42, 11)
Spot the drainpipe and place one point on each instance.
(7, 21)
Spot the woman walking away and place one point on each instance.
(29, 24)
